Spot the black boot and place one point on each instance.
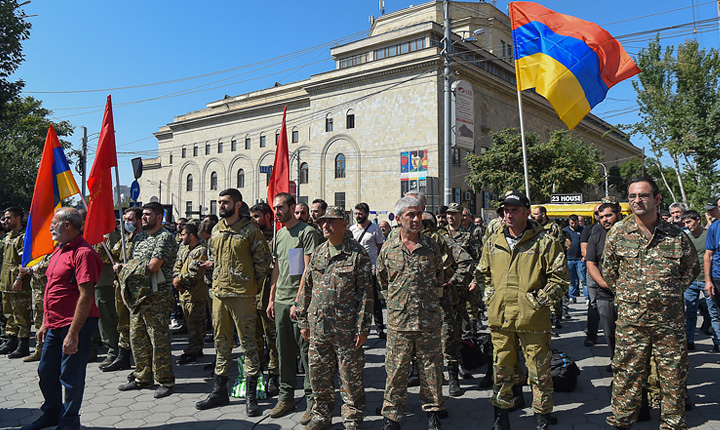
(434, 421)
(502, 419)
(218, 397)
(454, 382)
(23, 349)
(251, 405)
(487, 380)
(9, 345)
(389, 424)
(542, 421)
(518, 397)
(414, 379)
(121, 362)
(273, 386)
(644, 414)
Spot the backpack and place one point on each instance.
(564, 372)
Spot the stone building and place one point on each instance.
(367, 130)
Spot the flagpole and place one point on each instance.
(122, 230)
(524, 148)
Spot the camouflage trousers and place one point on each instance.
(265, 334)
(194, 313)
(450, 334)
(537, 352)
(150, 339)
(324, 357)
(241, 313)
(633, 350)
(123, 325)
(16, 306)
(400, 348)
(37, 308)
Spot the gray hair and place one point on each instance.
(419, 195)
(678, 205)
(404, 203)
(70, 215)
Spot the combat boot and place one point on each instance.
(121, 362)
(453, 382)
(35, 355)
(10, 345)
(389, 424)
(542, 421)
(502, 419)
(219, 396)
(434, 421)
(518, 397)
(22, 350)
(644, 414)
(273, 386)
(251, 404)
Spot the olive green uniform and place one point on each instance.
(16, 304)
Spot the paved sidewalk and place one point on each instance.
(105, 407)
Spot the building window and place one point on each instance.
(189, 183)
(233, 145)
(241, 178)
(400, 48)
(213, 181)
(220, 147)
(207, 149)
(304, 174)
(247, 142)
(195, 151)
(188, 209)
(340, 200)
(328, 123)
(350, 119)
(184, 153)
(340, 166)
(262, 140)
(295, 135)
(277, 137)
(456, 157)
(213, 207)
(171, 158)
(353, 61)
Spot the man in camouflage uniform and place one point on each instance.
(522, 272)
(410, 273)
(190, 283)
(131, 226)
(17, 296)
(648, 263)
(240, 259)
(470, 302)
(146, 283)
(38, 280)
(539, 214)
(265, 333)
(105, 300)
(334, 315)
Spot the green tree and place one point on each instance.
(664, 176)
(679, 101)
(13, 30)
(561, 164)
(23, 129)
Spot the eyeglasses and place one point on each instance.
(641, 196)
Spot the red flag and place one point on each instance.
(101, 209)
(280, 177)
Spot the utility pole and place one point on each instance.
(447, 152)
(84, 160)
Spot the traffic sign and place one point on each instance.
(266, 169)
(134, 190)
(137, 166)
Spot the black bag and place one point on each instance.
(564, 372)
(476, 351)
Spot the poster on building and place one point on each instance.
(463, 113)
(413, 171)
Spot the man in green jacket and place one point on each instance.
(522, 272)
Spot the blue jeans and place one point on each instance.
(692, 294)
(714, 309)
(578, 275)
(57, 370)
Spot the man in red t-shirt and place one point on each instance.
(70, 320)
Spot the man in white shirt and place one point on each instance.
(371, 238)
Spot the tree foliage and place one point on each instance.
(679, 101)
(24, 125)
(13, 30)
(561, 164)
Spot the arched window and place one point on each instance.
(195, 151)
(262, 140)
(328, 123)
(350, 119)
(220, 147)
(304, 174)
(277, 137)
(295, 135)
(213, 181)
(241, 178)
(184, 153)
(340, 166)
(189, 183)
(171, 159)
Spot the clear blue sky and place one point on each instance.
(242, 46)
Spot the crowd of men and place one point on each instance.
(308, 294)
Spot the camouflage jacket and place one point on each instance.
(38, 278)
(337, 297)
(11, 258)
(476, 235)
(107, 276)
(649, 276)
(464, 265)
(520, 285)
(241, 258)
(116, 250)
(553, 230)
(469, 242)
(187, 273)
(412, 283)
(160, 244)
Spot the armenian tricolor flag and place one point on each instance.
(569, 61)
(54, 182)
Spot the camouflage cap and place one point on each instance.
(610, 199)
(455, 208)
(333, 212)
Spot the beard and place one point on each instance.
(227, 214)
